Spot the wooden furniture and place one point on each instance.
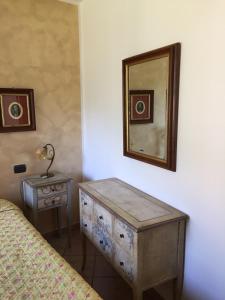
(47, 193)
(142, 237)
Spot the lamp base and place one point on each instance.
(46, 175)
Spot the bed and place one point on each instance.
(30, 268)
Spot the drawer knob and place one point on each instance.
(121, 263)
(122, 236)
(85, 203)
(101, 217)
(101, 241)
(85, 225)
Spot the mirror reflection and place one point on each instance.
(148, 137)
(150, 91)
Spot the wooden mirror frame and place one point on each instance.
(173, 51)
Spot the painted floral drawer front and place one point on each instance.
(102, 240)
(114, 238)
(44, 191)
(56, 200)
(86, 225)
(124, 264)
(103, 218)
(125, 236)
(86, 204)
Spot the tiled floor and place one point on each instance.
(98, 271)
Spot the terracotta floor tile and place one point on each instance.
(98, 272)
(54, 238)
(88, 279)
(111, 288)
(103, 268)
(76, 262)
(76, 248)
(58, 243)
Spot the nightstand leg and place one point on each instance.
(69, 210)
(25, 211)
(69, 224)
(59, 213)
(35, 218)
(84, 249)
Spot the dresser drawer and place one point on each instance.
(124, 264)
(125, 236)
(44, 191)
(102, 240)
(103, 218)
(86, 225)
(56, 200)
(86, 204)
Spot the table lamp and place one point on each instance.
(46, 152)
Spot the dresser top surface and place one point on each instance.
(136, 207)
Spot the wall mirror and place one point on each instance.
(150, 106)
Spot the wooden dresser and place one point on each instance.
(142, 237)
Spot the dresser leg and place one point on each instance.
(137, 294)
(177, 289)
(178, 282)
(84, 251)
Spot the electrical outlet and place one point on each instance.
(20, 168)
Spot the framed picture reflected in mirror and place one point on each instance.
(141, 104)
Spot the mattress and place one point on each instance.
(30, 268)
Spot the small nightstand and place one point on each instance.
(47, 193)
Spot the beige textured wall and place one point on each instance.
(40, 50)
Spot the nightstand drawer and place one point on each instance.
(56, 200)
(48, 190)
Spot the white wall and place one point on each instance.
(116, 29)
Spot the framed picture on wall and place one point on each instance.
(141, 106)
(17, 111)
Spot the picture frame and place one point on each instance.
(17, 111)
(141, 106)
(157, 144)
